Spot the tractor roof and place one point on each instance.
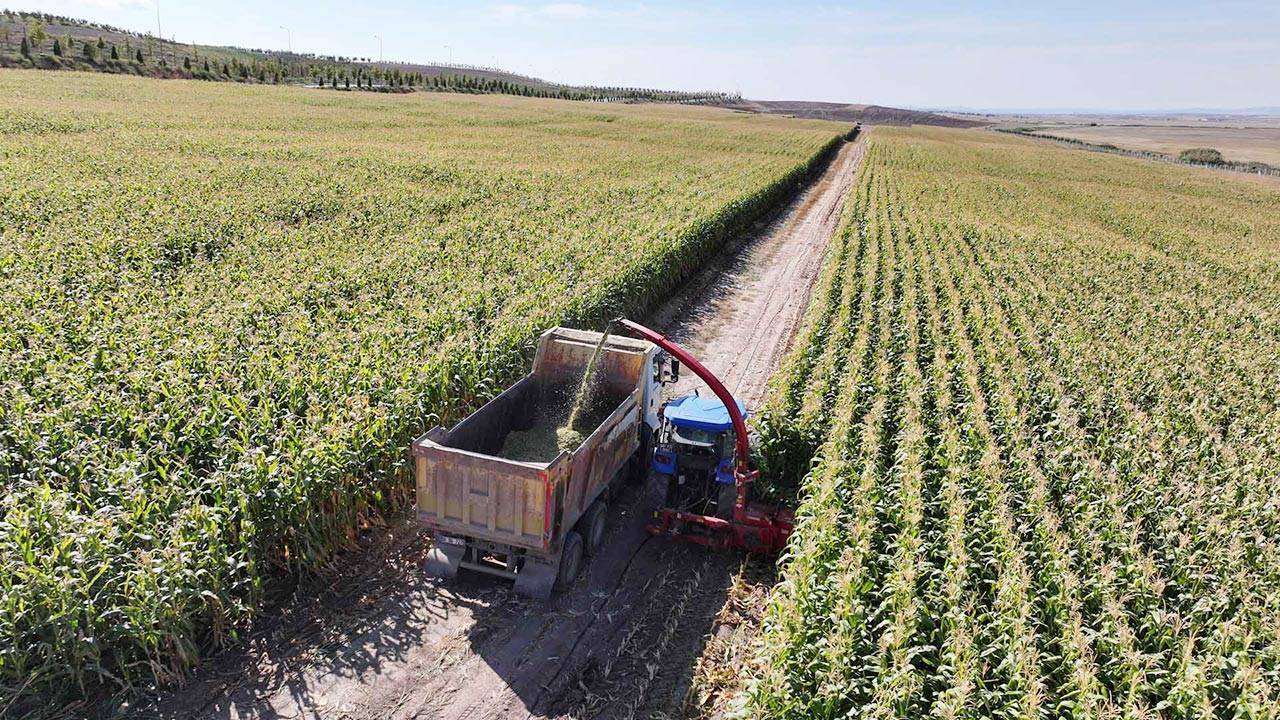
(700, 413)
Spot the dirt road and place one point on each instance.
(382, 640)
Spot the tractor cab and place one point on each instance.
(694, 451)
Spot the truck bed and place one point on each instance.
(466, 488)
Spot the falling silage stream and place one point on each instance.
(559, 421)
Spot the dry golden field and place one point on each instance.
(1241, 144)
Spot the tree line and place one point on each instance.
(28, 39)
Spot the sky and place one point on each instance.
(1081, 54)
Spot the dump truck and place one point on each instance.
(531, 510)
(532, 513)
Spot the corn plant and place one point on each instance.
(225, 311)
(1040, 482)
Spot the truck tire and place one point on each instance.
(570, 559)
(592, 526)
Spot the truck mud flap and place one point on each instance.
(443, 560)
(536, 580)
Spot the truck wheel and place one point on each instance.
(570, 559)
(593, 526)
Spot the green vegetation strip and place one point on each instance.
(1033, 423)
(1200, 157)
(226, 310)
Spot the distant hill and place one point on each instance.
(842, 112)
(55, 42)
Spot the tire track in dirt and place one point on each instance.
(754, 296)
(622, 642)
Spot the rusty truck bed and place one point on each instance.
(473, 497)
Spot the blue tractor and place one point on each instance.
(703, 450)
(694, 452)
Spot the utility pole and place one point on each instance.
(379, 47)
(288, 38)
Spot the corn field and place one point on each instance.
(1032, 420)
(225, 310)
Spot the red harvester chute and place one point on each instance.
(754, 527)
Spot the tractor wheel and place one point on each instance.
(638, 464)
(726, 497)
(570, 560)
(673, 491)
(592, 526)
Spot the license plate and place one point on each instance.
(447, 540)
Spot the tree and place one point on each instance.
(115, 53)
(35, 31)
(102, 44)
(346, 81)
(90, 51)
(1209, 156)
(26, 47)
(138, 57)
(57, 47)
(206, 64)
(186, 63)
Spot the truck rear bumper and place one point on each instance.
(450, 552)
(443, 561)
(534, 574)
